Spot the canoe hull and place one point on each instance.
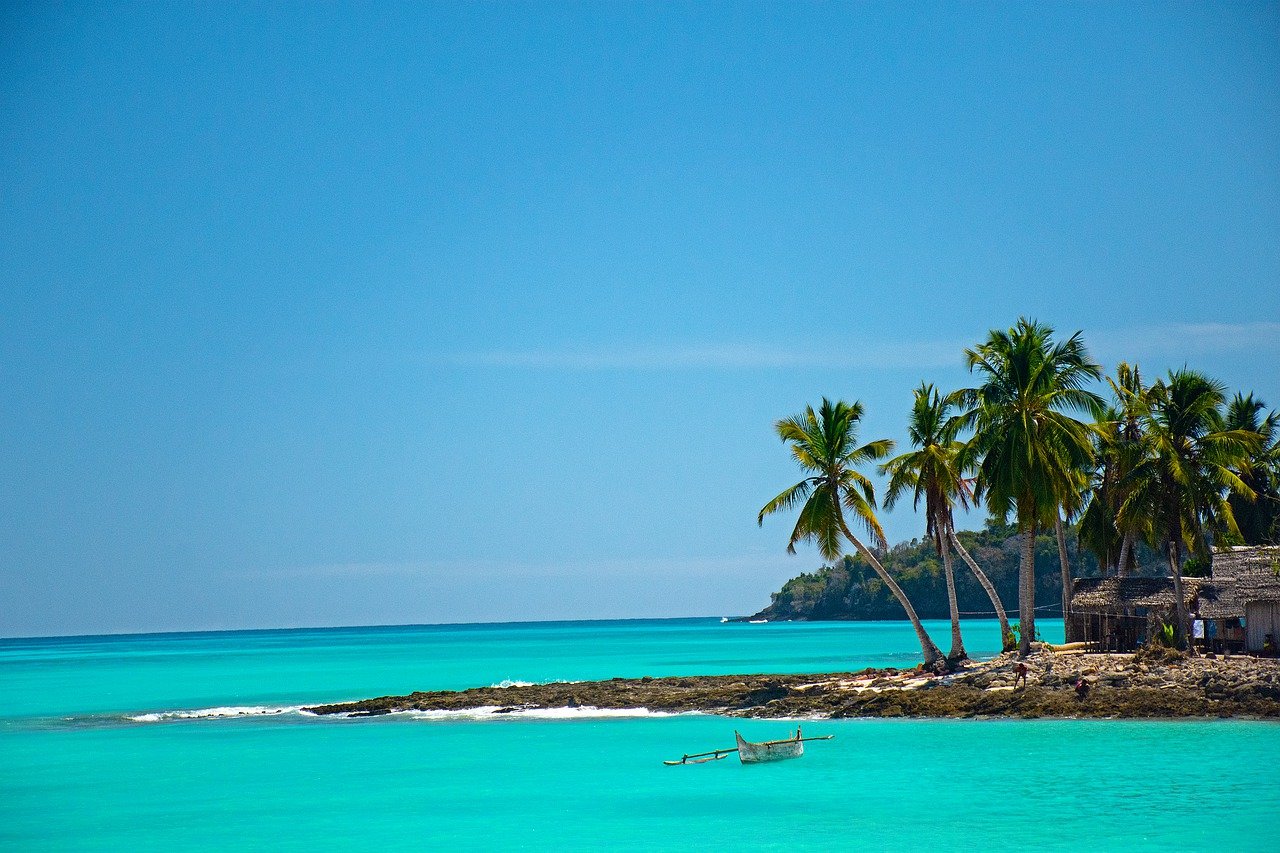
(773, 750)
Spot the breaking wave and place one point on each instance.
(216, 713)
(484, 712)
(496, 712)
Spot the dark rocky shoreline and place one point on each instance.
(1119, 686)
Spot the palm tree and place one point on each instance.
(1259, 519)
(932, 471)
(1124, 454)
(825, 444)
(1025, 445)
(1188, 467)
(1117, 448)
(1072, 505)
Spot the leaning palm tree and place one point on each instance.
(932, 471)
(1025, 445)
(825, 444)
(1188, 468)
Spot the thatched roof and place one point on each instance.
(1113, 595)
(1219, 598)
(1246, 560)
(1240, 575)
(1248, 573)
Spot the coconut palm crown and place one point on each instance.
(825, 443)
(1026, 446)
(931, 471)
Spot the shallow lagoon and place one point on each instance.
(76, 773)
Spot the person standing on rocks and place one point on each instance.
(1020, 674)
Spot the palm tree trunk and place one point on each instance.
(957, 642)
(1068, 629)
(1027, 591)
(1006, 636)
(932, 654)
(1180, 629)
(1126, 549)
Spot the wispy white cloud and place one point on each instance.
(1185, 338)
(859, 353)
(674, 566)
(848, 353)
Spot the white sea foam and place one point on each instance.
(512, 682)
(491, 712)
(216, 713)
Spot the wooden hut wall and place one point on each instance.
(1262, 618)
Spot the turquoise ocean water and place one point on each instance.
(187, 742)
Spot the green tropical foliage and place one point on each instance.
(1026, 446)
(1178, 489)
(1169, 469)
(932, 472)
(1257, 520)
(848, 589)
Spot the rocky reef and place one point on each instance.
(1160, 685)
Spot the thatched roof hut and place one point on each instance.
(1249, 578)
(1121, 595)
(1116, 612)
(1245, 585)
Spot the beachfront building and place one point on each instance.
(1120, 614)
(1239, 605)
(1247, 580)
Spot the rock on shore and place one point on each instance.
(1120, 685)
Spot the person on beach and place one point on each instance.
(1211, 635)
(1020, 674)
(1082, 688)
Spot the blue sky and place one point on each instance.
(319, 315)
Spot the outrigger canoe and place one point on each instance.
(769, 750)
(754, 753)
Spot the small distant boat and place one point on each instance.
(754, 753)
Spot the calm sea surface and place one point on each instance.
(193, 742)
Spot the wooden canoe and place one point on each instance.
(753, 753)
(769, 750)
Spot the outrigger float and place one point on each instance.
(754, 753)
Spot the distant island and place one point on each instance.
(850, 589)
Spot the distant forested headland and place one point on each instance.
(850, 590)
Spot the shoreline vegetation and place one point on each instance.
(1161, 684)
(848, 590)
(1172, 464)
